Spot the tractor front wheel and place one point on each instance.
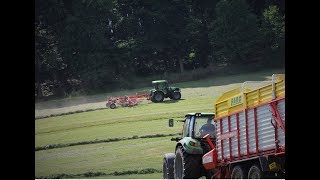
(157, 96)
(176, 95)
(168, 166)
(187, 166)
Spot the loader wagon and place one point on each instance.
(250, 132)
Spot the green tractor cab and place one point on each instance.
(186, 162)
(163, 90)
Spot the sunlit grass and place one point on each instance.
(104, 157)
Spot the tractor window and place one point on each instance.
(185, 131)
(160, 85)
(203, 126)
(165, 84)
(191, 125)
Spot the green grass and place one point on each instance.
(134, 176)
(142, 112)
(107, 131)
(104, 157)
(122, 122)
(119, 174)
(145, 119)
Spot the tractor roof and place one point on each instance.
(203, 114)
(159, 81)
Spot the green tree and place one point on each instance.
(50, 66)
(234, 33)
(273, 26)
(96, 45)
(201, 14)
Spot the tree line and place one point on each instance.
(89, 45)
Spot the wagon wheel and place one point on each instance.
(239, 172)
(113, 105)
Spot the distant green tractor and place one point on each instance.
(162, 90)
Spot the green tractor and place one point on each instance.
(186, 162)
(162, 90)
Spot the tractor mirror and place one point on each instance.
(170, 122)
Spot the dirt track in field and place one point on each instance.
(69, 108)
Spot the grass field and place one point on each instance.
(144, 119)
(104, 157)
(139, 176)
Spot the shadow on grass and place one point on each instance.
(169, 101)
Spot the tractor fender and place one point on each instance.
(154, 91)
(190, 149)
(175, 89)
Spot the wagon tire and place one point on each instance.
(255, 173)
(113, 105)
(238, 172)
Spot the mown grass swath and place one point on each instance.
(52, 146)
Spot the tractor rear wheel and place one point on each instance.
(176, 95)
(157, 96)
(113, 105)
(187, 166)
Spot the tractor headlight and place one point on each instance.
(193, 143)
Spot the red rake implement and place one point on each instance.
(126, 101)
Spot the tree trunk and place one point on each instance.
(204, 45)
(58, 91)
(181, 65)
(39, 92)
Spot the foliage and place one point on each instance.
(273, 27)
(234, 34)
(98, 46)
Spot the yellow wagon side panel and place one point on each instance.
(235, 100)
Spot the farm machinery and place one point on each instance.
(160, 91)
(163, 90)
(248, 140)
(126, 101)
(186, 163)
